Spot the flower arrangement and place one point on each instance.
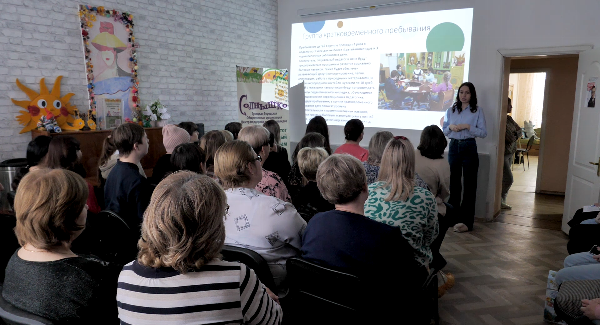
(157, 111)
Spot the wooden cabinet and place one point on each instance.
(91, 148)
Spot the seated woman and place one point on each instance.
(396, 201)
(376, 146)
(271, 184)
(172, 137)
(36, 151)
(188, 156)
(192, 129)
(45, 277)
(345, 240)
(580, 266)
(435, 171)
(307, 198)
(278, 161)
(354, 133)
(309, 140)
(178, 277)
(210, 142)
(109, 158)
(234, 128)
(263, 223)
(64, 152)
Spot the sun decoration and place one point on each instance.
(46, 103)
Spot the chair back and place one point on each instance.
(111, 237)
(12, 315)
(448, 99)
(335, 296)
(253, 260)
(530, 142)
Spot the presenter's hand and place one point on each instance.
(464, 126)
(453, 128)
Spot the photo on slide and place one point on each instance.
(424, 81)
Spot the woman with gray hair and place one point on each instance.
(179, 261)
(262, 223)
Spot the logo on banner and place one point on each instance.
(246, 106)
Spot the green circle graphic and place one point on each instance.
(445, 37)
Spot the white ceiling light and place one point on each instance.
(356, 7)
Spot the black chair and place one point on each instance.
(8, 241)
(320, 295)
(110, 238)
(522, 152)
(12, 315)
(253, 260)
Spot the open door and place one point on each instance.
(583, 182)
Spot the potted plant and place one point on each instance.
(157, 113)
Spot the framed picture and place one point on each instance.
(111, 63)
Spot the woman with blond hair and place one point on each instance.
(270, 184)
(263, 223)
(179, 262)
(396, 201)
(307, 198)
(44, 277)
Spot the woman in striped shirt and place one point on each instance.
(178, 277)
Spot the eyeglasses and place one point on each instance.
(398, 137)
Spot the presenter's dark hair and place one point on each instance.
(353, 129)
(472, 102)
(319, 125)
(234, 128)
(433, 142)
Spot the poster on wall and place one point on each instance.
(591, 92)
(111, 61)
(262, 96)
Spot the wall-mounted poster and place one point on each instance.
(110, 58)
(591, 92)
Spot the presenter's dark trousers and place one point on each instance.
(464, 164)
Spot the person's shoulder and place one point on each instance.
(90, 266)
(271, 176)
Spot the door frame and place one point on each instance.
(504, 61)
(544, 114)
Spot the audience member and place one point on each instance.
(435, 171)
(64, 152)
(309, 140)
(319, 125)
(228, 135)
(307, 198)
(45, 277)
(127, 193)
(192, 130)
(172, 137)
(579, 266)
(109, 158)
(345, 240)
(234, 128)
(271, 184)
(36, 151)
(267, 225)
(354, 134)
(376, 146)
(188, 156)
(179, 263)
(278, 160)
(210, 142)
(395, 200)
(463, 122)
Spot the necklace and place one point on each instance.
(42, 251)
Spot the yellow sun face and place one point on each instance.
(43, 101)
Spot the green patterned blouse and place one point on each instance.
(416, 217)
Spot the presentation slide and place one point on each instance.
(392, 71)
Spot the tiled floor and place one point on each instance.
(501, 267)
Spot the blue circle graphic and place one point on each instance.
(314, 26)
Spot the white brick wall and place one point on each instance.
(187, 56)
